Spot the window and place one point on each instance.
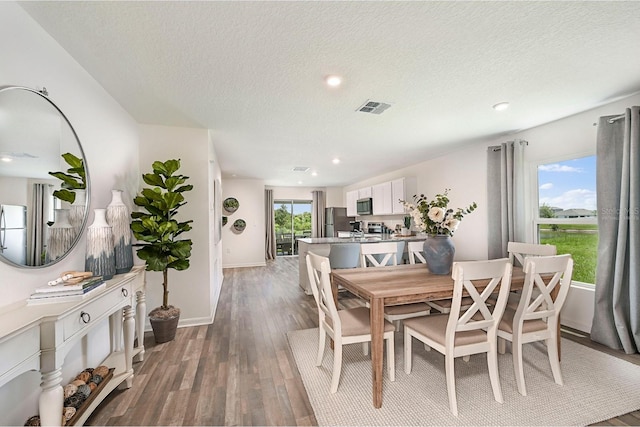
(567, 214)
(292, 221)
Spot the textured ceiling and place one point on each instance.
(253, 73)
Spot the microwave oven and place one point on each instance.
(364, 206)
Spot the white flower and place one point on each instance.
(436, 214)
(451, 224)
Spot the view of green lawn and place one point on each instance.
(579, 240)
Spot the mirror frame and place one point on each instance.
(44, 95)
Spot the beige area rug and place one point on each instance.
(597, 387)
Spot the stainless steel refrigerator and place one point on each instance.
(336, 219)
(13, 233)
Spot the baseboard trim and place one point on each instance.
(256, 264)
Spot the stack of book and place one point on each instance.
(66, 292)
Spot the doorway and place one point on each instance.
(292, 220)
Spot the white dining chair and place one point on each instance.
(473, 331)
(388, 251)
(343, 326)
(415, 251)
(518, 251)
(537, 314)
(386, 254)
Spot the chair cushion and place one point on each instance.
(395, 310)
(356, 321)
(506, 323)
(435, 327)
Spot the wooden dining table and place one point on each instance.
(394, 285)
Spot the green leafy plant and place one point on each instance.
(156, 228)
(74, 179)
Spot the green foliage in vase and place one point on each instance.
(157, 228)
(74, 179)
(434, 216)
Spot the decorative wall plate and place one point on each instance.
(230, 204)
(239, 224)
(224, 220)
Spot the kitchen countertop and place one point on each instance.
(367, 238)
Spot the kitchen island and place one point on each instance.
(322, 246)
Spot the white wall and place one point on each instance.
(464, 172)
(335, 197)
(245, 249)
(109, 136)
(187, 288)
(294, 193)
(215, 228)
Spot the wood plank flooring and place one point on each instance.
(239, 370)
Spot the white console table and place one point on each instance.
(38, 337)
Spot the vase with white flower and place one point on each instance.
(439, 222)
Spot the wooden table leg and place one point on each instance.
(377, 344)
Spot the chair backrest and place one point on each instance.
(387, 251)
(415, 250)
(519, 251)
(344, 255)
(470, 276)
(319, 271)
(542, 275)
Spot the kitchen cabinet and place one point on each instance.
(382, 198)
(352, 201)
(364, 193)
(402, 189)
(387, 196)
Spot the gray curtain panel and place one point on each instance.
(39, 217)
(270, 227)
(317, 213)
(616, 320)
(505, 196)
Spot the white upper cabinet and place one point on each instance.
(382, 198)
(386, 196)
(352, 202)
(399, 192)
(364, 193)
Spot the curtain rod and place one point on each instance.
(613, 119)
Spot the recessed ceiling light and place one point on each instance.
(336, 161)
(6, 159)
(333, 80)
(299, 182)
(501, 106)
(314, 173)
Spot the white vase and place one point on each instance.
(100, 258)
(61, 235)
(77, 210)
(118, 217)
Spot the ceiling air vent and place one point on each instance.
(373, 107)
(301, 169)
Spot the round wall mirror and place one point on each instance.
(44, 180)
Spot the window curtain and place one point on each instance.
(616, 320)
(317, 213)
(505, 196)
(39, 218)
(270, 238)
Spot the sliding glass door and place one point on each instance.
(292, 221)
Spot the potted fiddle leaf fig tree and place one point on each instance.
(73, 179)
(158, 233)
